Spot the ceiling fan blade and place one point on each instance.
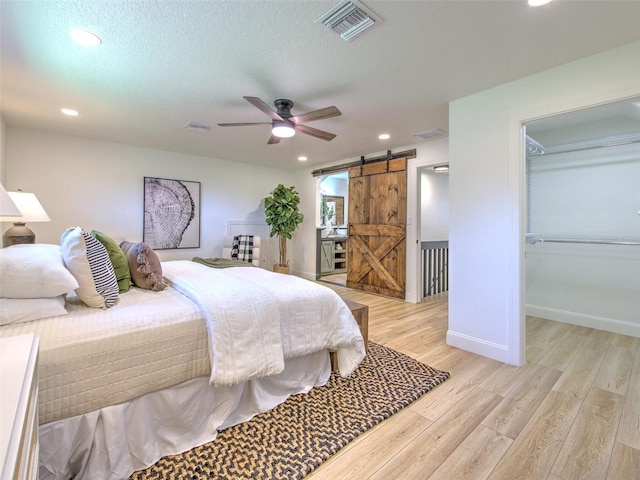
(327, 112)
(273, 139)
(314, 132)
(243, 124)
(259, 104)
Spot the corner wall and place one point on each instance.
(434, 206)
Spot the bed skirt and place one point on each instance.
(113, 442)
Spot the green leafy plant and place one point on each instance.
(283, 216)
(326, 212)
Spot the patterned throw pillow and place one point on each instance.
(88, 261)
(118, 260)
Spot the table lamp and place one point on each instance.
(7, 207)
(31, 211)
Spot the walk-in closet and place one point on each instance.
(583, 218)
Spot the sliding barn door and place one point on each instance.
(377, 227)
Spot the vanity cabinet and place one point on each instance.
(326, 256)
(333, 255)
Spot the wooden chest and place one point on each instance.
(361, 314)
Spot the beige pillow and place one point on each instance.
(145, 266)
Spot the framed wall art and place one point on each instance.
(171, 213)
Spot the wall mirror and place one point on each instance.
(334, 210)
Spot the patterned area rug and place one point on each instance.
(294, 438)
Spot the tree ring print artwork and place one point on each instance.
(171, 213)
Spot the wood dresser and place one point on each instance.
(19, 408)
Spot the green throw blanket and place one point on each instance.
(221, 262)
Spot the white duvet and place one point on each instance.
(255, 319)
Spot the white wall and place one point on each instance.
(434, 206)
(99, 185)
(486, 182)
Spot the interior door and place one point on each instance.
(377, 227)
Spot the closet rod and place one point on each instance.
(532, 240)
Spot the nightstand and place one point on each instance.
(19, 408)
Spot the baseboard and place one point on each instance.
(478, 346)
(591, 321)
(305, 275)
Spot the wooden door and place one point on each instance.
(377, 227)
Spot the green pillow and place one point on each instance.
(118, 260)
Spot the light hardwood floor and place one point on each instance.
(573, 412)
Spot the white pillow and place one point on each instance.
(18, 310)
(34, 270)
(88, 261)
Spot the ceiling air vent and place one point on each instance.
(431, 134)
(198, 127)
(349, 19)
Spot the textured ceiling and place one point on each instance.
(163, 64)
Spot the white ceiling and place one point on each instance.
(163, 64)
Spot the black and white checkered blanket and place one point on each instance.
(242, 248)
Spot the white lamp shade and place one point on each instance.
(30, 208)
(7, 207)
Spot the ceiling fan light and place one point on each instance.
(282, 129)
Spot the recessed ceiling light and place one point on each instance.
(85, 37)
(302, 158)
(537, 3)
(441, 168)
(70, 112)
(384, 136)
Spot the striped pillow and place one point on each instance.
(88, 261)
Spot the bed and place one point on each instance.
(163, 371)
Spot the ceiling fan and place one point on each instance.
(284, 124)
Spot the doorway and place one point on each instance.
(434, 229)
(377, 243)
(332, 232)
(582, 250)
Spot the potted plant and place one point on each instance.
(284, 217)
(326, 211)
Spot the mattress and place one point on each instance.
(92, 358)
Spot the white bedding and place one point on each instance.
(91, 357)
(314, 317)
(100, 370)
(256, 318)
